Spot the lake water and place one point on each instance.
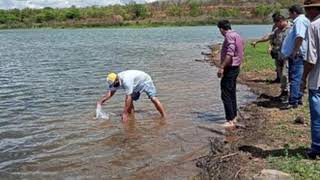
(50, 80)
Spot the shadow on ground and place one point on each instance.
(268, 101)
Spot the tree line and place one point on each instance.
(134, 13)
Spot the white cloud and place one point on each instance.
(10, 4)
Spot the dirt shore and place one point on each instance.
(245, 150)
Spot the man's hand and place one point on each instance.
(269, 50)
(124, 117)
(294, 55)
(220, 72)
(253, 44)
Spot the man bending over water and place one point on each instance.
(134, 82)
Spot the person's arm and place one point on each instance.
(269, 49)
(104, 98)
(311, 58)
(126, 109)
(306, 70)
(300, 33)
(265, 38)
(226, 62)
(297, 45)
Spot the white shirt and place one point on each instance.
(133, 81)
(313, 53)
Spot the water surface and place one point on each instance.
(51, 78)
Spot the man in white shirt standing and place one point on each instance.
(134, 82)
(312, 69)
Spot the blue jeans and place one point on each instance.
(314, 105)
(295, 75)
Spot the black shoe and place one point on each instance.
(277, 80)
(312, 154)
(289, 106)
(283, 97)
(284, 93)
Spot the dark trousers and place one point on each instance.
(228, 91)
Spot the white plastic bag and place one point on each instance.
(100, 114)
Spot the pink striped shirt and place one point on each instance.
(233, 45)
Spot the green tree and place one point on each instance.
(27, 14)
(11, 18)
(93, 12)
(174, 10)
(40, 18)
(194, 9)
(3, 18)
(263, 10)
(139, 11)
(49, 14)
(229, 12)
(72, 13)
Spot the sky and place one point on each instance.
(20, 4)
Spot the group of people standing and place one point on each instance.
(295, 47)
(288, 49)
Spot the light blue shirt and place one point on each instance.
(299, 29)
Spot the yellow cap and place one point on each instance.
(111, 78)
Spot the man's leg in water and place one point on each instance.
(131, 109)
(158, 105)
(135, 97)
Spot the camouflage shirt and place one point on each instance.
(277, 36)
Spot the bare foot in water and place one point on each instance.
(229, 124)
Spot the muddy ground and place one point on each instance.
(245, 149)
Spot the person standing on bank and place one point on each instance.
(312, 69)
(134, 82)
(280, 30)
(276, 38)
(231, 59)
(294, 48)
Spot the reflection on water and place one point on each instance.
(50, 80)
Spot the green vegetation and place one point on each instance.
(294, 138)
(257, 59)
(292, 158)
(264, 10)
(296, 164)
(190, 12)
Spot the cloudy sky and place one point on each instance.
(10, 4)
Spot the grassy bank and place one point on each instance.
(288, 140)
(257, 59)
